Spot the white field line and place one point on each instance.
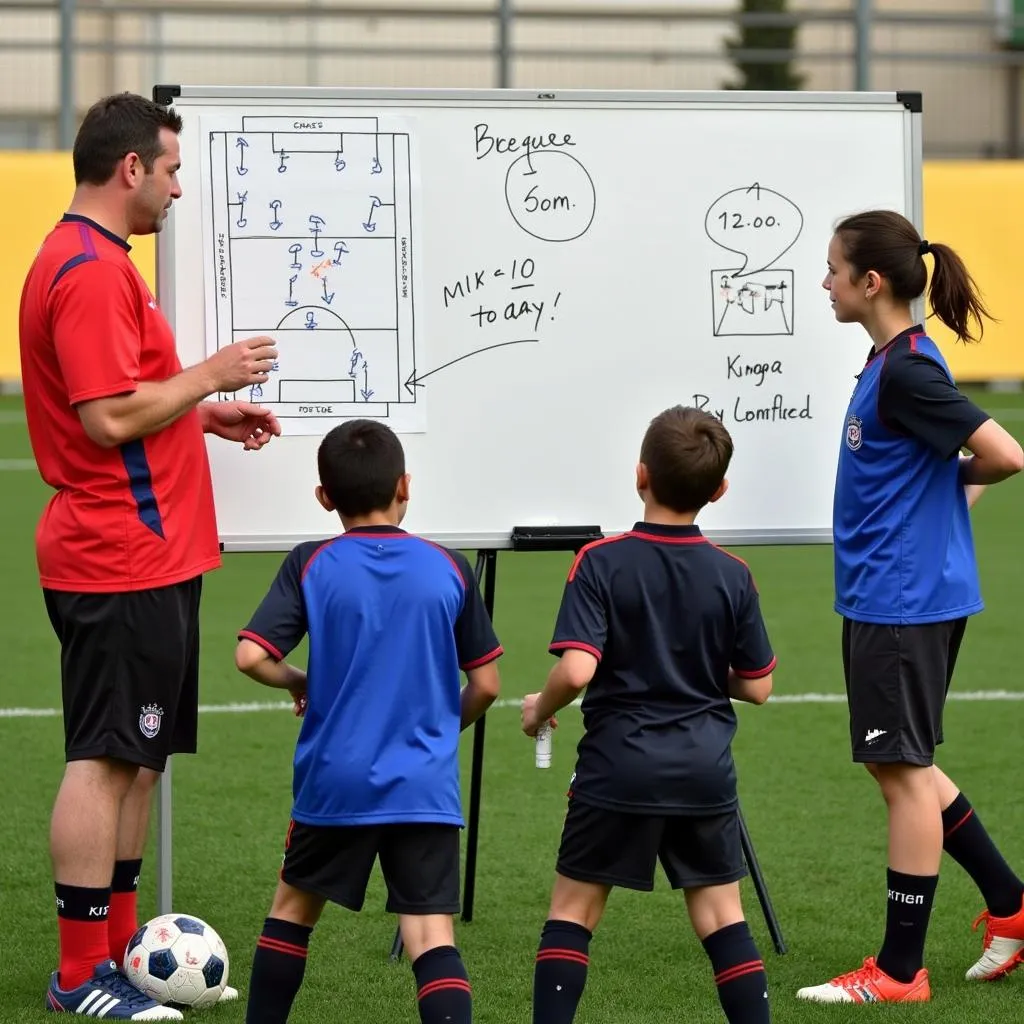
(968, 696)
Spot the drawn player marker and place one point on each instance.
(756, 223)
(369, 223)
(339, 248)
(550, 195)
(275, 205)
(316, 225)
(242, 146)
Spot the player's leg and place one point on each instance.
(163, 696)
(420, 864)
(320, 864)
(896, 686)
(967, 841)
(103, 760)
(704, 858)
(599, 849)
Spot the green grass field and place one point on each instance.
(817, 821)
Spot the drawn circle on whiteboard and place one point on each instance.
(550, 195)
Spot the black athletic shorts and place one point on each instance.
(897, 678)
(129, 665)
(613, 848)
(420, 864)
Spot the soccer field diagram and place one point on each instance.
(310, 231)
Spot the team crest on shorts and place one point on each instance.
(149, 720)
(854, 434)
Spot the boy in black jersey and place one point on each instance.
(663, 628)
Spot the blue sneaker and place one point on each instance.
(109, 994)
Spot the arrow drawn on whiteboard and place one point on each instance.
(327, 298)
(414, 380)
(242, 146)
(368, 223)
(365, 389)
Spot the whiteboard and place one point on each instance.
(518, 281)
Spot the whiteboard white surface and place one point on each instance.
(642, 250)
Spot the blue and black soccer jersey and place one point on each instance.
(903, 547)
(666, 613)
(391, 619)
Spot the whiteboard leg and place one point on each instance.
(164, 896)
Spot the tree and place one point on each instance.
(759, 75)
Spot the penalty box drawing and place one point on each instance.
(311, 235)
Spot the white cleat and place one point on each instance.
(229, 995)
(1002, 948)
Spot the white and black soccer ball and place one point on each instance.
(178, 960)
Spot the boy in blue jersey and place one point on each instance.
(392, 620)
(906, 582)
(663, 629)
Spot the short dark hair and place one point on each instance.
(360, 463)
(115, 126)
(886, 242)
(687, 453)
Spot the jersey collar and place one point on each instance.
(77, 218)
(908, 333)
(671, 532)
(382, 528)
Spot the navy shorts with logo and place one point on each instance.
(129, 672)
(897, 679)
(419, 862)
(609, 847)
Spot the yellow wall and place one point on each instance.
(975, 207)
(37, 188)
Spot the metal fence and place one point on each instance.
(56, 56)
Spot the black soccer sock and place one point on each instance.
(739, 974)
(968, 843)
(277, 970)
(442, 987)
(560, 972)
(908, 909)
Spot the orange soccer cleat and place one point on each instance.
(869, 984)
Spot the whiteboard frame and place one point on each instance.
(513, 98)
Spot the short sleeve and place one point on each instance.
(582, 622)
(752, 654)
(917, 397)
(279, 623)
(475, 640)
(96, 330)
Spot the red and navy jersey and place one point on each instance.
(666, 614)
(902, 540)
(133, 517)
(391, 621)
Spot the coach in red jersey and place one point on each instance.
(117, 430)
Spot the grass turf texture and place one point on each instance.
(816, 820)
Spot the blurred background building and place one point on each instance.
(56, 56)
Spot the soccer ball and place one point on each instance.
(178, 960)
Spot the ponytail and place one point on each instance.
(954, 296)
(886, 242)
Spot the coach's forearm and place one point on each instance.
(559, 692)
(151, 407)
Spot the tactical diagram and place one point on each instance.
(760, 226)
(310, 232)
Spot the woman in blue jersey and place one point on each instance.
(906, 581)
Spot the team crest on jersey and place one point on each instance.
(149, 720)
(854, 433)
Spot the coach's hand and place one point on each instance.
(242, 364)
(251, 424)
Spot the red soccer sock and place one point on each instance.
(82, 926)
(124, 921)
